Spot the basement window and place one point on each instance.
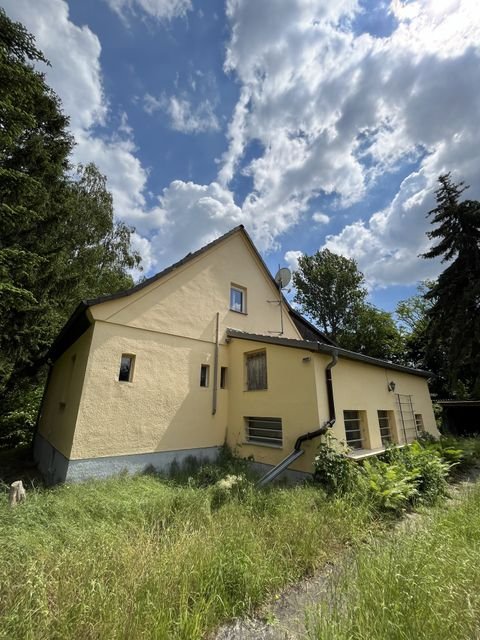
(264, 431)
(126, 368)
(204, 375)
(385, 427)
(353, 429)
(223, 377)
(419, 422)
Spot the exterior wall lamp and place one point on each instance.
(391, 386)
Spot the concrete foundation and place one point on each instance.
(55, 468)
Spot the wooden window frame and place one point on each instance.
(249, 383)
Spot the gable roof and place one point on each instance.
(79, 322)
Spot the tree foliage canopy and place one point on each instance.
(331, 290)
(453, 320)
(58, 238)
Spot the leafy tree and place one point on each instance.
(453, 330)
(329, 289)
(58, 239)
(373, 332)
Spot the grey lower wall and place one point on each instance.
(136, 463)
(51, 463)
(56, 468)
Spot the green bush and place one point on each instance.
(336, 473)
(391, 486)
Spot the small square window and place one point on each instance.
(126, 368)
(238, 299)
(223, 377)
(204, 375)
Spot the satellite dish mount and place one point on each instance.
(282, 278)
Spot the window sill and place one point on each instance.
(242, 313)
(253, 390)
(263, 444)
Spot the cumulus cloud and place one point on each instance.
(320, 218)
(184, 117)
(335, 108)
(159, 9)
(292, 258)
(75, 75)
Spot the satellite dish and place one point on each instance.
(283, 277)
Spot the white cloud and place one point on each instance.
(159, 9)
(183, 116)
(334, 110)
(292, 258)
(75, 75)
(320, 218)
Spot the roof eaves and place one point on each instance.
(325, 348)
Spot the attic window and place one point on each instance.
(238, 299)
(126, 368)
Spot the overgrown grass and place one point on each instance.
(423, 583)
(146, 558)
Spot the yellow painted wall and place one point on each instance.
(62, 397)
(162, 409)
(363, 387)
(297, 394)
(291, 395)
(185, 301)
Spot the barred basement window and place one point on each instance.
(204, 375)
(385, 428)
(353, 429)
(264, 431)
(126, 368)
(256, 365)
(419, 422)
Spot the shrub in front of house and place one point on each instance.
(393, 482)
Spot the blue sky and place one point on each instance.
(312, 123)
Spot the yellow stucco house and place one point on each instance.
(206, 352)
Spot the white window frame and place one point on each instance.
(243, 292)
